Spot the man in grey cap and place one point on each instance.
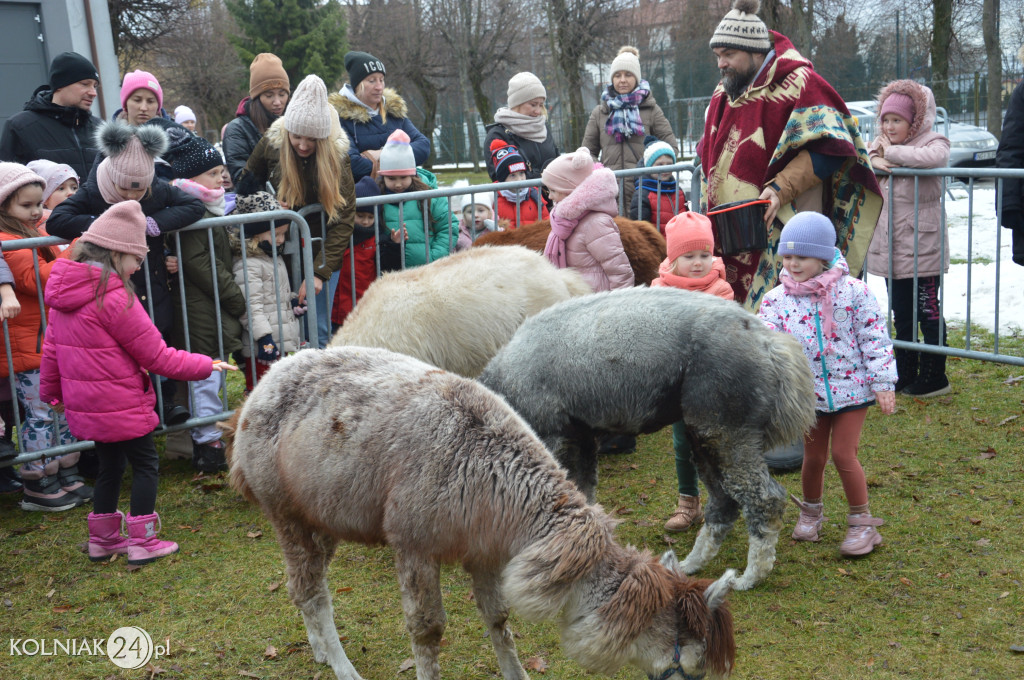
(56, 123)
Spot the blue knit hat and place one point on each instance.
(366, 188)
(808, 234)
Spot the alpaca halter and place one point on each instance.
(674, 669)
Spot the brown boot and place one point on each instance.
(686, 515)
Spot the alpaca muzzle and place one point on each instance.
(675, 669)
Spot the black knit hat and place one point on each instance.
(70, 67)
(193, 157)
(361, 64)
(506, 160)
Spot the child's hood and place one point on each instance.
(598, 192)
(924, 105)
(72, 285)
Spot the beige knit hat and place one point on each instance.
(524, 86)
(568, 171)
(121, 228)
(628, 60)
(266, 72)
(741, 29)
(308, 113)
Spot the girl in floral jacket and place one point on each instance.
(843, 332)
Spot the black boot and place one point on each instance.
(906, 368)
(10, 482)
(932, 380)
(209, 457)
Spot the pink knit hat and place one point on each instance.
(568, 171)
(14, 176)
(900, 104)
(122, 228)
(131, 152)
(141, 79)
(688, 231)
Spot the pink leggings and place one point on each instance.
(844, 429)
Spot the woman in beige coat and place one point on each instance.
(627, 113)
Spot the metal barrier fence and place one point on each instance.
(299, 252)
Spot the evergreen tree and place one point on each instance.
(308, 35)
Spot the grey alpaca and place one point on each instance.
(633, 361)
(363, 444)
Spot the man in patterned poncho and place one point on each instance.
(776, 130)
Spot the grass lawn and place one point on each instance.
(941, 598)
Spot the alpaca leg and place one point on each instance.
(307, 555)
(420, 583)
(720, 513)
(580, 468)
(494, 612)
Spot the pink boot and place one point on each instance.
(861, 535)
(105, 538)
(143, 545)
(810, 521)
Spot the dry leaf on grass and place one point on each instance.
(154, 670)
(247, 674)
(270, 652)
(408, 664)
(254, 534)
(536, 663)
(906, 581)
(274, 586)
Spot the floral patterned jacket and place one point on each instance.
(858, 360)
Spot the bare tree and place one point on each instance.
(994, 61)
(137, 24)
(942, 36)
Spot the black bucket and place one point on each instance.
(740, 226)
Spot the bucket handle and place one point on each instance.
(737, 207)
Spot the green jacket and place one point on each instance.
(263, 166)
(416, 226)
(195, 267)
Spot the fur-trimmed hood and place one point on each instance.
(276, 134)
(598, 192)
(924, 104)
(394, 106)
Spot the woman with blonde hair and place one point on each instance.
(304, 156)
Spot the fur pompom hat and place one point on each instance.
(14, 176)
(308, 113)
(808, 234)
(397, 158)
(524, 86)
(266, 72)
(568, 171)
(121, 228)
(688, 231)
(130, 153)
(55, 174)
(742, 29)
(628, 60)
(141, 80)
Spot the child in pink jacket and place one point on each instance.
(584, 235)
(99, 345)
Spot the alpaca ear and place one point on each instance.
(642, 594)
(715, 593)
(671, 562)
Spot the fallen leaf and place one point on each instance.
(270, 652)
(62, 609)
(1004, 594)
(943, 574)
(254, 534)
(274, 586)
(974, 520)
(844, 572)
(407, 665)
(906, 581)
(536, 663)
(624, 511)
(344, 589)
(51, 593)
(1004, 421)
(983, 542)
(247, 674)
(208, 488)
(895, 645)
(1014, 380)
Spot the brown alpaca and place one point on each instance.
(363, 444)
(644, 245)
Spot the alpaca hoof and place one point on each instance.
(746, 581)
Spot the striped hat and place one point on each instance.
(741, 29)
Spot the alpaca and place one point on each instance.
(633, 361)
(362, 444)
(644, 245)
(457, 312)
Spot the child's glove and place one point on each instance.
(298, 308)
(266, 350)
(152, 228)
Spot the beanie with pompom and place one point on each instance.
(397, 158)
(568, 171)
(628, 60)
(742, 29)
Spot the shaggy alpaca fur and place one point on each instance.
(636, 360)
(644, 245)
(457, 312)
(362, 444)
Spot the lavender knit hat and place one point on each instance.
(122, 228)
(14, 176)
(808, 234)
(308, 113)
(55, 174)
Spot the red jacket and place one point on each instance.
(527, 209)
(95, 360)
(366, 273)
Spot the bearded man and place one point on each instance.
(775, 130)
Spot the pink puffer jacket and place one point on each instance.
(95, 360)
(594, 248)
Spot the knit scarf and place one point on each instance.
(533, 128)
(624, 120)
(517, 196)
(212, 198)
(658, 186)
(701, 284)
(561, 229)
(819, 289)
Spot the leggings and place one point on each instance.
(844, 428)
(141, 453)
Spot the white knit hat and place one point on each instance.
(485, 198)
(308, 113)
(397, 158)
(741, 29)
(524, 86)
(55, 174)
(628, 60)
(183, 114)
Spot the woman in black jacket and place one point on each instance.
(1011, 155)
(269, 91)
(523, 124)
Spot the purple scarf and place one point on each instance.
(624, 120)
(819, 289)
(561, 229)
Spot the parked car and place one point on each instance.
(969, 145)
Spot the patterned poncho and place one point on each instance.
(788, 108)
